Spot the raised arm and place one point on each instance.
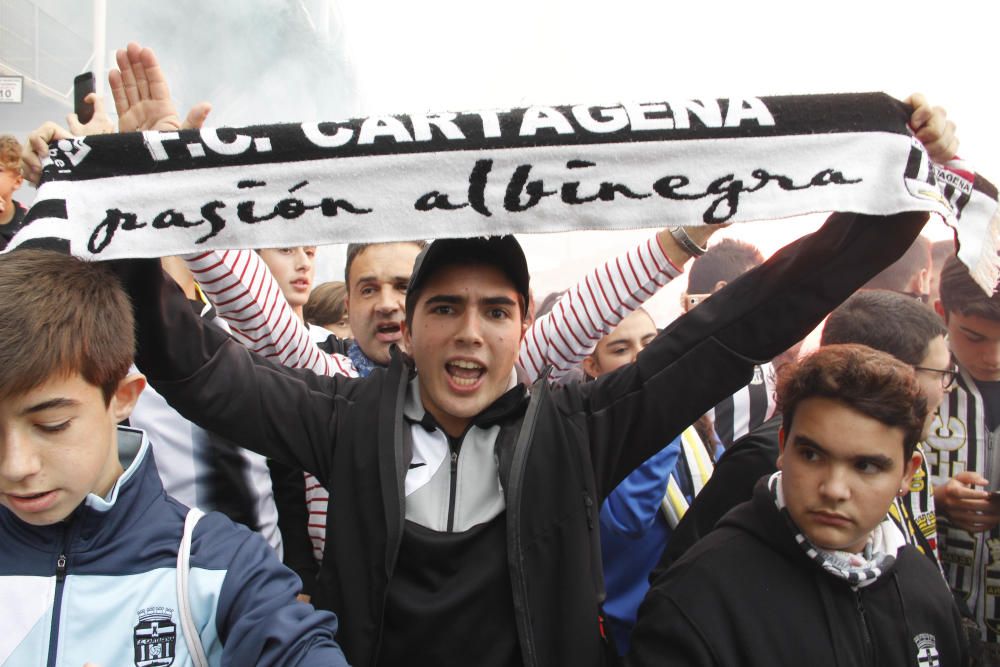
(247, 297)
(710, 351)
(211, 379)
(564, 336)
(237, 282)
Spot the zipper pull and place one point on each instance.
(61, 567)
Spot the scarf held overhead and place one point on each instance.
(534, 169)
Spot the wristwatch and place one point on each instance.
(681, 236)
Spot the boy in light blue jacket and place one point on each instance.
(89, 570)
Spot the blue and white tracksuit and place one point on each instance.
(637, 520)
(102, 586)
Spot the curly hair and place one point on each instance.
(10, 153)
(874, 383)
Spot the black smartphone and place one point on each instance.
(83, 85)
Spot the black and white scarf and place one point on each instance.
(534, 169)
(858, 570)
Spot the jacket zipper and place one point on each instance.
(865, 631)
(57, 603)
(454, 486)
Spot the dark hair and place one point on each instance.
(355, 249)
(326, 304)
(726, 261)
(869, 381)
(963, 295)
(60, 315)
(898, 275)
(886, 321)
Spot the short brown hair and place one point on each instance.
(963, 295)
(326, 304)
(725, 261)
(874, 383)
(355, 249)
(60, 315)
(10, 153)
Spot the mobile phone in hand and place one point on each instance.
(83, 85)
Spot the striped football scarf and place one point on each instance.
(534, 169)
(858, 570)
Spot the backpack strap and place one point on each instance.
(191, 636)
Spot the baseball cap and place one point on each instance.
(503, 252)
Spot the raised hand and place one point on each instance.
(142, 96)
(933, 129)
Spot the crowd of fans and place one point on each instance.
(452, 475)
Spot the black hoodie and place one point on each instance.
(747, 594)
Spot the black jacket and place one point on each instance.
(747, 594)
(562, 450)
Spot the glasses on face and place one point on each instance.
(948, 375)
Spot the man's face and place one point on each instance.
(841, 470)
(622, 345)
(938, 357)
(376, 296)
(58, 443)
(294, 271)
(465, 333)
(975, 342)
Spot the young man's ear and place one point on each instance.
(911, 468)
(923, 280)
(404, 329)
(939, 309)
(781, 445)
(125, 396)
(590, 367)
(719, 285)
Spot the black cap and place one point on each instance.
(503, 252)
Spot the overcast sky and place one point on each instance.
(254, 61)
(453, 54)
